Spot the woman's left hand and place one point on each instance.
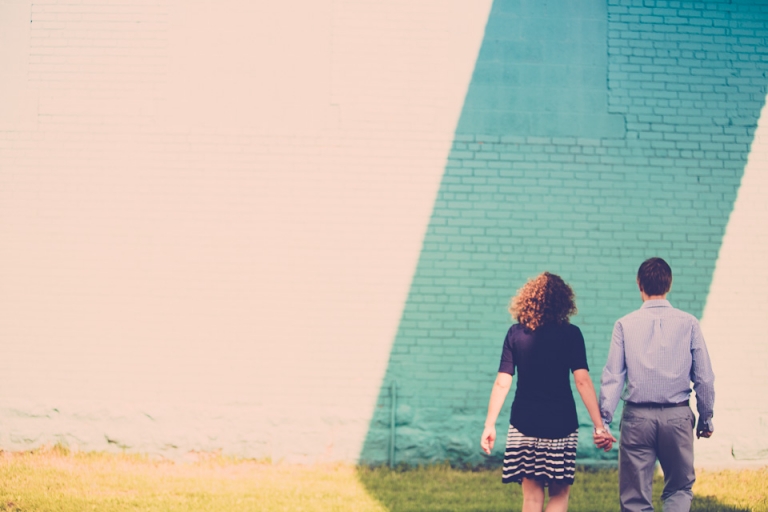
(487, 439)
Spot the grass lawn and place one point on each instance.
(56, 480)
(442, 488)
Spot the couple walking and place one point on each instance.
(655, 354)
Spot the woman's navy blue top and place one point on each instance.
(543, 360)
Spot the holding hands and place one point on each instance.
(603, 439)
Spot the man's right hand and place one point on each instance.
(704, 433)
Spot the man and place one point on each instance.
(656, 351)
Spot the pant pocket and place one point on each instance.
(687, 421)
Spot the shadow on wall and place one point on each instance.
(580, 199)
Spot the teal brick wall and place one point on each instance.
(583, 199)
(541, 70)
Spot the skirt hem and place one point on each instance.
(549, 461)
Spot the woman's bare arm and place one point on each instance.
(587, 391)
(498, 395)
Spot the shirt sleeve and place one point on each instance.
(614, 375)
(507, 364)
(578, 351)
(703, 378)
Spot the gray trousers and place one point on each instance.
(648, 434)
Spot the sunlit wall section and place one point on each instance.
(211, 212)
(733, 319)
(594, 135)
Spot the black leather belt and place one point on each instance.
(654, 405)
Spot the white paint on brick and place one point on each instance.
(17, 106)
(733, 322)
(212, 215)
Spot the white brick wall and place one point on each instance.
(733, 322)
(210, 214)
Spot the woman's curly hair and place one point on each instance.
(543, 300)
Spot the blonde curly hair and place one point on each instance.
(543, 300)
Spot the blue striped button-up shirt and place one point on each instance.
(657, 351)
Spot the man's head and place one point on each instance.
(654, 277)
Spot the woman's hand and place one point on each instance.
(603, 439)
(487, 439)
(498, 394)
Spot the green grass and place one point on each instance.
(56, 480)
(441, 488)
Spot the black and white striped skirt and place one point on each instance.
(546, 460)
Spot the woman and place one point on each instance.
(543, 432)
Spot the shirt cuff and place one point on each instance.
(705, 425)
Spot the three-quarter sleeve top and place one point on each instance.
(543, 361)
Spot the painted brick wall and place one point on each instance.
(210, 213)
(231, 226)
(689, 81)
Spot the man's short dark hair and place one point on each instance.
(654, 277)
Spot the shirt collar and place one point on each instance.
(657, 303)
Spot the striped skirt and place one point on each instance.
(546, 460)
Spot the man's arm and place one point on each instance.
(614, 374)
(703, 379)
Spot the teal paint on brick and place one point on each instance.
(588, 206)
(541, 71)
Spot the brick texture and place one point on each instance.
(233, 226)
(210, 215)
(690, 81)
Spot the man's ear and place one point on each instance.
(640, 287)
